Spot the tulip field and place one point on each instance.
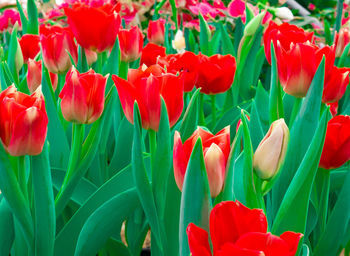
(174, 128)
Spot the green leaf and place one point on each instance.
(227, 46)
(298, 194)
(301, 134)
(33, 22)
(103, 222)
(66, 240)
(162, 161)
(113, 61)
(82, 64)
(24, 20)
(196, 194)
(190, 120)
(248, 175)
(275, 103)
(255, 127)
(142, 182)
(7, 233)
(44, 204)
(59, 147)
(336, 229)
(204, 35)
(11, 57)
(11, 190)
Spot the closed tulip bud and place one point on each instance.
(254, 24)
(23, 122)
(284, 13)
(55, 42)
(270, 154)
(216, 149)
(83, 96)
(155, 31)
(342, 38)
(179, 43)
(34, 76)
(18, 58)
(131, 43)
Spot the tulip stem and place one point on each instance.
(213, 109)
(323, 185)
(123, 70)
(201, 109)
(152, 145)
(77, 138)
(22, 176)
(295, 110)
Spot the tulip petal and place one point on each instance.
(198, 241)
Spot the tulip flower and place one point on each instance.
(179, 43)
(23, 122)
(341, 40)
(335, 84)
(131, 43)
(30, 46)
(284, 13)
(238, 230)
(34, 76)
(216, 149)
(216, 73)
(8, 19)
(155, 31)
(285, 34)
(55, 42)
(296, 75)
(147, 86)
(83, 96)
(271, 152)
(151, 53)
(187, 63)
(95, 28)
(336, 149)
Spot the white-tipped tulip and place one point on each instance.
(270, 154)
(179, 43)
(284, 13)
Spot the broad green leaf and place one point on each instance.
(255, 127)
(45, 218)
(298, 193)
(301, 134)
(196, 194)
(103, 222)
(204, 35)
(7, 232)
(227, 46)
(190, 119)
(33, 22)
(67, 238)
(24, 20)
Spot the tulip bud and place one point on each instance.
(23, 122)
(341, 40)
(284, 13)
(18, 57)
(83, 96)
(34, 76)
(270, 154)
(216, 149)
(156, 30)
(131, 43)
(179, 43)
(254, 24)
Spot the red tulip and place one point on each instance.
(287, 35)
(336, 149)
(216, 73)
(55, 42)
(187, 63)
(155, 31)
(34, 76)
(147, 87)
(23, 124)
(216, 149)
(335, 84)
(95, 28)
(131, 43)
(238, 230)
(341, 41)
(30, 46)
(83, 96)
(151, 53)
(333, 108)
(298, 65)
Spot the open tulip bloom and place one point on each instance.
(175, 128)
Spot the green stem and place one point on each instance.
(213, 109)
(295, 110)
(201, 109)
(123, 70)
(22, 176)
(157, 9)
(77, 139)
